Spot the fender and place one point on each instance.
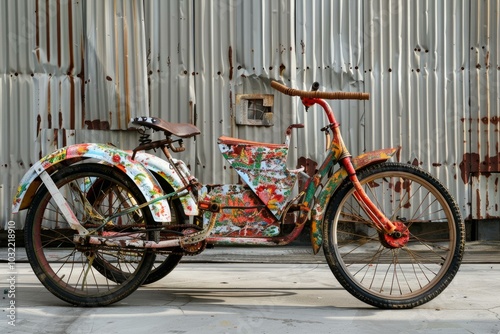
(65, 156)
(163, 168)
(331, 186)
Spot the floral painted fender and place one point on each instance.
(146, 182)
(163, 168)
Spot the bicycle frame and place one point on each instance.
(94, 236)
(311, 204)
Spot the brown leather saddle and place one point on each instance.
(182, 130)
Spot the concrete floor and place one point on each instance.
(287, 291)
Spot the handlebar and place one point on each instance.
(320, 95)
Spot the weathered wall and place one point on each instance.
(75, 71)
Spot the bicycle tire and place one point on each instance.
(67, 269)
(383, 276)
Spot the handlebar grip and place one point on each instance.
(320, 95)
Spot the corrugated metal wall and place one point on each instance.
(73, 71)
(416, 69)
(482, 158)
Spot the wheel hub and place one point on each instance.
(397, 239)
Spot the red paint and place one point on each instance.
(399, 238)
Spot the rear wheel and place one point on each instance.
(88, 275)
(413, 265)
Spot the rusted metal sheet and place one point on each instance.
(485, 196)
(214, 65)
(16, 100)
(115, 64)
(263, 48)
(170, 69)
(416, 69)
(58, 52)
(481, 163)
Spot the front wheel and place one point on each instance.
(387, 274)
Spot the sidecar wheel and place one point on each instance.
(88, 275)
(408, 268)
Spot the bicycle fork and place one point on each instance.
(393, 234)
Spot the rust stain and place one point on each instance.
(118, 106)
(478, 204)
(47, 25)
(231, 111)
(493, 120)
(37, 32)
(282, 69)
(81, 75)
(310, 166)
(400, 186)
(72, 102)
(230, 54)
(64, 143)
(60, 118)
(56, 137)
(38, 124)
(398, 154)
(71, 67)
(472, 164)
(58, 33)
(126, 46)
(49, 116)
(97, 124)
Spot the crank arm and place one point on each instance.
(60, 201)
